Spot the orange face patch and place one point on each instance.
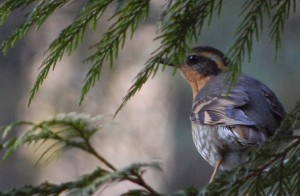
(196, 80)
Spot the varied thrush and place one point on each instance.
(227, 122)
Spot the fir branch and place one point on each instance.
(69, 39)
(66, 130)
(91, 183)
(38, 15)
(8, 6)
(283, 9)
(254, 13)
(72, 131)
(53, 189)
(184, 24)
(133, 173)
(128, 18)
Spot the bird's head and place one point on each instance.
(201, 65)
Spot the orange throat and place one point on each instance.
(198, 85)
(197, 81)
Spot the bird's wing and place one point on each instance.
(226, 112)
(274, 105)
(224, 109)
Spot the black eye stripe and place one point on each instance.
(195, 59)
(203, 65)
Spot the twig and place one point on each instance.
(98, 156)
(140, 181)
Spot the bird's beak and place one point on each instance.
(165, 62)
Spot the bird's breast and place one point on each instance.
(214, 144)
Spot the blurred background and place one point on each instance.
(153, 125)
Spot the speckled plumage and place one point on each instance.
(214, 145)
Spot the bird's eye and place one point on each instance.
(193, 59)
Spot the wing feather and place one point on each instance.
(274, 105)
(222, 110)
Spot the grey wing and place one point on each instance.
(274, 105)
(225, 109)
(226, 112)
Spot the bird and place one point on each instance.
(227, 121)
